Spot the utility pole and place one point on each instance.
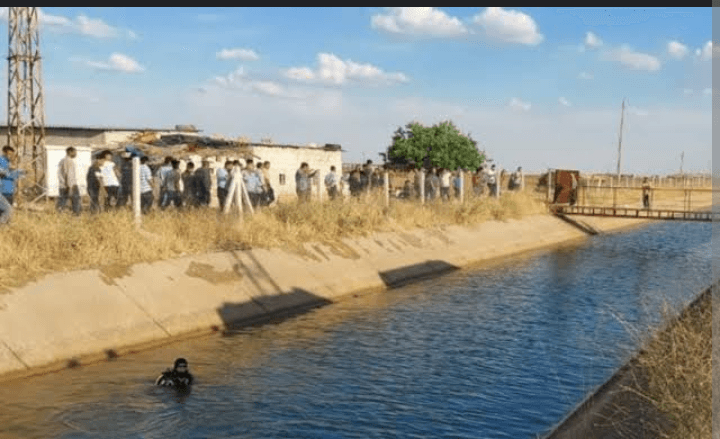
(619, 160)
(26, 105)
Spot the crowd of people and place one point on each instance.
(192, 188)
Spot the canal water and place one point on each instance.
(500, 352)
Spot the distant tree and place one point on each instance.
(441, 145)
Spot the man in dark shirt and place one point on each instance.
(179, 376)
(125, 180)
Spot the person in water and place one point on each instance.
(178, 376)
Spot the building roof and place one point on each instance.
(97, 128)
(326, 147)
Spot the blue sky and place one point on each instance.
(537, 87)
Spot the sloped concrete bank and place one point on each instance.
(87, 316)
(614, 409)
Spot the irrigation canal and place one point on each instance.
(500, 352)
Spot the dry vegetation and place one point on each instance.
(679, 368)
(38, 243)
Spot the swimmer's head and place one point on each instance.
(181, 365)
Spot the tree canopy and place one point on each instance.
(441, 145)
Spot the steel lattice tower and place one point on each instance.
(26, 106)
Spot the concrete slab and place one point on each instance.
(8, 361)
(71, 314)
(187, 294)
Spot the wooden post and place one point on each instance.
(237, 196)
(422, 186)
(243, 191)
(386, 185)
(136, 190)
(319, 188)
(461, 176)
(614, 191)
(498, 182)
(231, 191)
(549, 186)
(522, 181)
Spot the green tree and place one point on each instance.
(441, 145)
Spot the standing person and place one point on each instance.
(303, 185)
(223, 176)
(162, 172)
(268, 192)
(331, 183)
(491, 178)
(646, 189)
(252, 178)
(93, 181)
(365, 177)
(125, 180)
(416, 181)
(190, 192)
(514, 184)
(355, 183)
(203, 180)
(457, 181)
(68, 181)
(444, 184)
(8, 177)
(146, 193)
(172, 186)
(110, 179)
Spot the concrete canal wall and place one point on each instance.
(87, 316)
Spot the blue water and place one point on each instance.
(502, 352)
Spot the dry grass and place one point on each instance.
(38, 243)
(679, 369)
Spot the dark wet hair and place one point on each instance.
(180, 362)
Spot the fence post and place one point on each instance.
(386, 185)
(242, 190)
(237, 196)
(319, 188)
(422, 186)
(549, 185)
(231, 191)
(136, 189)
(614, 191)
(498, 182)
(522, 181)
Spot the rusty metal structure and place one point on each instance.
(635, 212)
(26, 104)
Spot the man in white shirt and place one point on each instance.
(110, 180)
(445, 184)
(223, 176)
(331, 183)
(491, 178)
(162, 173)
(68, 182)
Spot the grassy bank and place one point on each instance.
(38, 243)
(678, 364)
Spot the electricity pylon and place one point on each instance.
(26, 104)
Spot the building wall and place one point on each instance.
(286, 161)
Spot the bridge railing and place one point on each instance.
(684, 198)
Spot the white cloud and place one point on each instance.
(418, 22)
(677, 49)
(585, 75)
(82, 24)
(564, 102)
(509, 26)
(592, 41)
(517, 104)
(240, 80)
(300, 74)
(637, 111)
(118, 62)
(333, 70)
(707, 51)
(634, 60)
(241, 54)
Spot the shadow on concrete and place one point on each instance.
(268, 309)
(584, 227)
(413, 273)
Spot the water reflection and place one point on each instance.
(501, 352)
